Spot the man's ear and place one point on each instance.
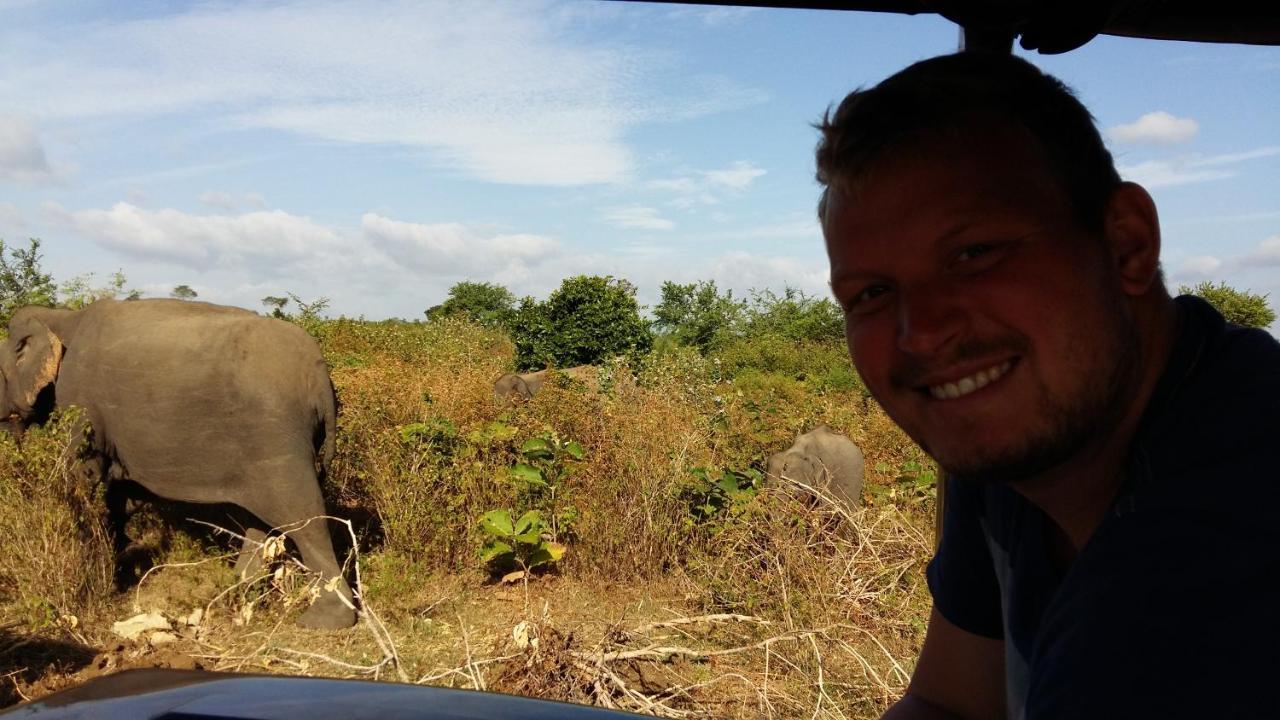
(1132, 231)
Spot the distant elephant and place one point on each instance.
(196, 403)
(825, 459)
(526, 385)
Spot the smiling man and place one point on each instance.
(1004, 303)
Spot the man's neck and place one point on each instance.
(1077, 494)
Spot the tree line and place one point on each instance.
(587, 320)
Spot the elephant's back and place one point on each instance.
(220, 393)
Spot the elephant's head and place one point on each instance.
(29, 361)
(511, 384)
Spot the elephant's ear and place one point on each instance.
(39, 355)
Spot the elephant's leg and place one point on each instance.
(249, 562)
(282, 506)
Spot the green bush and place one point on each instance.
(587, 321)
(488, 304)
(1238, 306)
(697, 314)
(793, 315)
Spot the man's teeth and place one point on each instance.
(964, 386)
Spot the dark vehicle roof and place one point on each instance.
(193, 694)
(1055, 27)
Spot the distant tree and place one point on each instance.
(183, 292)
(587, 320)
(697, 314)
(22, 280)
(794, 315)
(81, 290)
(309, 314)
(488, 304)
(277, 306)
(1238, 306)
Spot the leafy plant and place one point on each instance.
(22, 280)
(488, 304)
(523, 544)
(716, 498)
(548, 462)
(697, 314)
(914, 483)
(1238, 306)
(588, 320)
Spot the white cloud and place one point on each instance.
(1157, 127)
(715, 16)
(639, 218)
(737, 176)
(743, 271)
(1198, 268)
(708, 187)
(1194, 169)
(1267, 252)
(22, 157)
(258, 239)
(452, 249)
(498, 90)
(1163, 173)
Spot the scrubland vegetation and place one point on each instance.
(619, 546)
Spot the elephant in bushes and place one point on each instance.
(825, 459)
(526, 385)
(194, 402)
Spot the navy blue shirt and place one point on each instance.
(1172, 608)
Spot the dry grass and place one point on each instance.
(58, 557)
(789, 608)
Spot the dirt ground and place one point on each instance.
(646, 647)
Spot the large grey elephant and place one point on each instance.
(195, 402)
(526, 385)
(825, 459)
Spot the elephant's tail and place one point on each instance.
(328, 411)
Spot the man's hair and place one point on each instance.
(949, 94)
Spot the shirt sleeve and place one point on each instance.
(962, 576)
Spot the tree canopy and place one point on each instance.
(488, 304)
(1238, 306)
(589, 319)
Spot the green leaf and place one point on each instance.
(413, 432)
(534, 444)
(528, 474)
(532, 537)
(497, 523)
(527, 521)
(548, 553)
(574, 449)
(494, 549)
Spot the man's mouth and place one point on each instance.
(972, 383)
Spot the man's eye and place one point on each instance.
(870, 293)
(973, 251)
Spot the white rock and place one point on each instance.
(161, 637)
(133, 627)
(194, 618)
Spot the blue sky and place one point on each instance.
(377, 153)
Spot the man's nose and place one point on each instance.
(929, 320)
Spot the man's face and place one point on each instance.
(985, 321)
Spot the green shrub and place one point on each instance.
(793, 315)
(587, 321)
(697, 314)
(488, 304)
(1238, 306)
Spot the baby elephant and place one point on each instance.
(526, 385)
(823, 458)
